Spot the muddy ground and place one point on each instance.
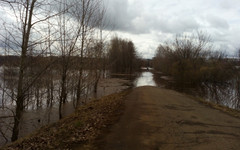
(156, 118)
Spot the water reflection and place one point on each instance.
(33, 119)
(226, 94)
(145, 79)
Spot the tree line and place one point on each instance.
(191, 60)
(123, 57)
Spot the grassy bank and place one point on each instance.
(79, 129)
(225, 109)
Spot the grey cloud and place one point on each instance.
(134, 19)
(178, 25)
(117, 15)
(229, 4)
(168, 18)
(217, 22)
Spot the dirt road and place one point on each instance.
(157, 118)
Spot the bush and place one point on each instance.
(189, 60)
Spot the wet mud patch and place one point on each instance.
(191, 123)
(213, 132)
(178, 107)
(196, 123)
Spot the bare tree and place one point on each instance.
(191, 59)
(88, 21)
(122, 55)
(25, 34)
(77, 27)
(237, 85)
(40, 37)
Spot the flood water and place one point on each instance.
(145, 79)
(226, 94)
(34, 119)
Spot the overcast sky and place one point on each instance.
(149, 23)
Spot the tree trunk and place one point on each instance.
(17, 118)
(98, 75)
(79, 88)
(20, 91)
(63, 95)
(60, 109)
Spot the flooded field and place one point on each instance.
(36, 117)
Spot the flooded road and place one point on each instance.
(226, 94)
(145, 79)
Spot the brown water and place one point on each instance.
(35, 119)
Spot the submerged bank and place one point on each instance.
(34, 119)
(225, 94)
(78, 129)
